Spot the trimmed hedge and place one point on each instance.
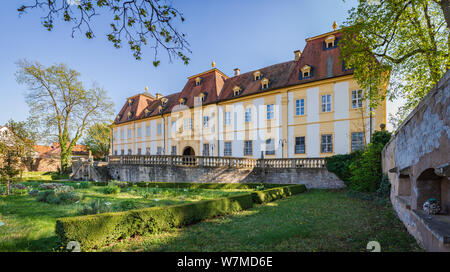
(97, 230)
(277, 193)
(94, 231)
(199, 185)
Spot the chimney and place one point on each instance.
(158, 96)
(297, 54)
(237, 71)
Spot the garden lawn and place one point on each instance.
(30, 225)
(316, 220)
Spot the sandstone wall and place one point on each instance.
(312, 178)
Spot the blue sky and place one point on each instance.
(246, 34)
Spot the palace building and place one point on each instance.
(308, 107)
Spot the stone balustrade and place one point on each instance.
(177, 160)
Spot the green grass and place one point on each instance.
(317, 220)
(30, 225)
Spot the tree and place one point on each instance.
(61, 105)
(407, 40)
(16, 146)
(98, 138)
(140, 22)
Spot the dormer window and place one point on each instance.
(330, 42)
(202, 97)
(119, 117)
(306, 72)
(147, 112)
(182, 101)
(265, 83)
(160, 108)
(237, 90)
(130, 102)
(198, 81)
(257, 75)
(130, 114)
(164, 101)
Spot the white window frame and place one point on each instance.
(227, 151)
(187, 123)
(248, 115)
(227, 118)
(355, 143)
(205, 121)
(326, 103)
(300, 107)
(248, 148)
(270, 111)
(304, 145)
(326, 146)
(357, 99)
(270, 146)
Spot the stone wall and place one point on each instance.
(311, 177)
(416, 161)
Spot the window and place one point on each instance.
(357, 96)
(159, 151)
(159, 129)
(147, 151)
(270, 112)
(300, 107)
(300, 145)
(188, 123)
(139, 151)
(115, 135)
(122, 152)
(237, 90)
(139, 132)
(248, 148)
(264, 83)
(257, 75)
(330, 42)
(174, 150)
(326, 103)
(227, 118)
(122, 134)
(115, 152)
(130, 152)
(198, 81)
(326, 145)
(357, 140)
(129, 133)
(147, 132)
(227, 149)
(205, 121)
(182, 101)
(248, 115)
(206, 150)
(270, 147)
(174, 126)
(306, 72)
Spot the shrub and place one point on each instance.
(199, 185)
(111, 190)
(277, 193)
(120, 184)
(366, 171)
(96, 207)
(55, 197)
(18, 186)
(340, 164)
(50, 186)
(15, 191)
(97, 230)
(82, 184)
(2, 190)
(384, 191)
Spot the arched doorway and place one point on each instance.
(187, 153)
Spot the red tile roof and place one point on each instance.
(217, 87)
(54, 150)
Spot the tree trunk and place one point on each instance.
(65, 156)
(7, 186)
(445, 6)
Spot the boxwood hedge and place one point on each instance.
(200, 185)
(277, 193)
(97, 230)
(94, 231)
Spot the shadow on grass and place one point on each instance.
(318, 220)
